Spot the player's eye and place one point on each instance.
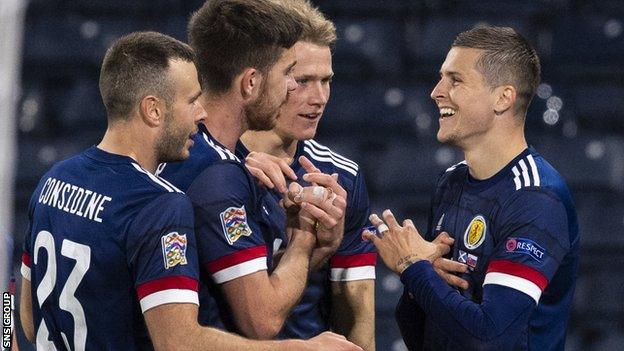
(302, 81)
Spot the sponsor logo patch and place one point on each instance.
(174, 249)
(526, 247)
(234, 223)
(475, 233)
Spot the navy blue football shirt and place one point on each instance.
(518, 233)
(355, 258)
(234, 221)
(107, 240)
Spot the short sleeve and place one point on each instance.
(355, 258)
(230, 241)
(532, 239)
(27, 248)
(162, 253)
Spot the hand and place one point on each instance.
(329, 341)
(328, 237)
(313, 206)
(446, 268)
(271, 171)
(400, 246)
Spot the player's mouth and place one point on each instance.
(310, 116)
(446, 112)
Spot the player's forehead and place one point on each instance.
(286, 60)
(184, 76)
(312, 59)
(461, 60)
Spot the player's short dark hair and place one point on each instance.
(231, 35)
(135, 66)
(508, 58)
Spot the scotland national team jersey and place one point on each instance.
(354, 260)
(517, 230)
(233, 220)
(106, 241)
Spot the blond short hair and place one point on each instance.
(317, 29)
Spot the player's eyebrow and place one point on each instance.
(290, 67)
(450, 73)
(195, 96)
(314, 76)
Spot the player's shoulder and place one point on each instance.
(454, 173)
(532, 172)
(327, 160)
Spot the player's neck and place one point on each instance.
(490, 155)
(125, 139)
(226, 120)
(271, 143)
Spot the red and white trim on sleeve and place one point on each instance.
(174, 289)
(25, 268)
(352, 267)
(516, 276)
(238, 264)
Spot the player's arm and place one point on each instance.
(353, 311)
(513, 284)
(260, 302)
(163, 233)
(26, 313)
(352, 274)
(175, 327)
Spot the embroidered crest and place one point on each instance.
(174, 249)
(234, 223)
(475, 233)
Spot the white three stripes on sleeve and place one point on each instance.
(524, 179)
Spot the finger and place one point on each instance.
(450, 265)
(375, 220)
(327, 217)
(368, 235)
(325, 180)
(262, 178)
(452, 279)
(443, 249)
(388, 217)
(308, 165)
(444, 238)
(287, 170)
(295, 191)
(382, 227)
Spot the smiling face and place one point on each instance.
(299, 117)
(183, 114)
(465, 101)
(274, 91)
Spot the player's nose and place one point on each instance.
(438, 91)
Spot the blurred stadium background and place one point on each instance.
(380, 114)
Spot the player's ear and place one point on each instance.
(152, 110)
(250, 81)
(505, 98)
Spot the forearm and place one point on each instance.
(174, 327)
(25, 309)
(488, 325)
(320, 256)
(353, 311)
(261, 302)
(289, 278)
